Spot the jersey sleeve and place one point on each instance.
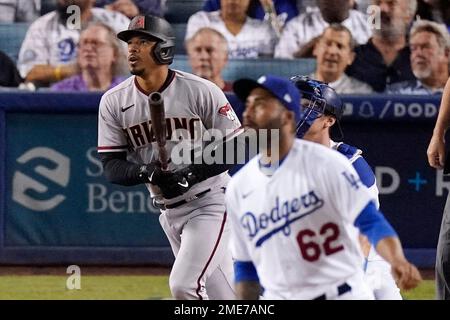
(367, 177)
(34, 50)
(349, 196)
(238, 245)
(111, 137)
(219, 113)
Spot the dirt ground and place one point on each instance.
(427, 274)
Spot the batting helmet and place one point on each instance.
(322, 97)
(158, 30)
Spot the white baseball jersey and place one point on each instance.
(297, 226)
(48, 41)
(256, 37)
(192, 105)
(306, 26)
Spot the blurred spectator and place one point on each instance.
(435, 10)
(430, 52)
(246, 37)
(19, 10)
(48, 52)
(208, 55)
(260, 9)
(385, 57)
(9, 76)
(334, 52)
(132, 8)
(101, 61)
(307, 26)
(362, 5)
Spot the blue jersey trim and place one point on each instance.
(364, 171)
(360, 164)
(374, 225)
(245, 271)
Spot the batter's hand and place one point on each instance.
(171, 184)
(436, 152)
(406, 275)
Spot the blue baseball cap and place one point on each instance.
(283, 89)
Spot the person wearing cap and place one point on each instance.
(323, 112)
(188, 193)
(297, 208)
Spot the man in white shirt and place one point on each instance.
(305, 27)
(246, 37)
(49, 50)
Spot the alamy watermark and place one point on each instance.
(374, 17)
(217, 147)
(73, 282)
(73, 21)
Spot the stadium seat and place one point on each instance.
(179, 11)
(253, 68)
(11, 37)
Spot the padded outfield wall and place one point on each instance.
(57, 208)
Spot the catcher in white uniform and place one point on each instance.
(193, 214)
(296, 214)
(323, 110)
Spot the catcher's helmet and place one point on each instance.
(322, 97)
(158, 30)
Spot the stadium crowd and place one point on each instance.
(358, 46)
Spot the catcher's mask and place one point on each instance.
(318, 98)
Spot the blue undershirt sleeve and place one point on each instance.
(373, 224)
(245, 271)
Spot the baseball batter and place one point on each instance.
(300, 239)
(323, 109)
(193, 214)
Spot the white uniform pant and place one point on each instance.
(199, 235)
(379, 277)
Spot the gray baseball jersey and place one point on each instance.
(124, 120)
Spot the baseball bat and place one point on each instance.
(158, 118)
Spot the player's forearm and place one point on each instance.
(48, 73)
(120, 171)
(248, 290)
(391, 250)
